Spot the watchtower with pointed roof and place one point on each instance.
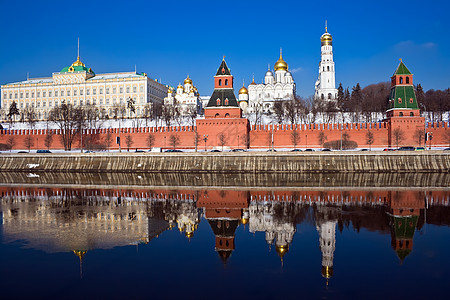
(223, 124)
(403, 114)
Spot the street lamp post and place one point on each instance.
(205, 139)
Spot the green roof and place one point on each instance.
(223, 69)
(403, 96)
(77, 69)
(405, 227)
(402, 70)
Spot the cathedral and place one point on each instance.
(186, 96)
(276, 87)
(325, 84)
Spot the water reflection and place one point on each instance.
(79, 220)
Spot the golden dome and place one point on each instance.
(187, 80)
(78, 63)
(281, 64)
(244, 221)
(179, 86)
(253, 82)
(326, 38)
(243, 90)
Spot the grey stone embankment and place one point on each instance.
(249, 162)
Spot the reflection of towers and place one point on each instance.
(404, 215)
(277, 220)
(224, 211)
(188, 218)
(326, 226)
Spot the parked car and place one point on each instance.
(447, 149)
(215, 150)
(238, 150)
(420, 148)
(271, 150)
(309, 150)
(139, 151)
(43, 151)
(88, 151)
(173, 150)
(296, 150)
(388, 149)
(406, 148)
(364, 149)
(326, 150)
(23, 152)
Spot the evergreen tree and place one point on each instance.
(420, 96)
(13, 111)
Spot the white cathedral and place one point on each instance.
(278, 87)
(325, 84)
(186, 96)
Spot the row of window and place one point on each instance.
(75, 92)
(75, 102)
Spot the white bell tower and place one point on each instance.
(325, 84)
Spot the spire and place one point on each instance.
(78, 52)
(268, 67)
(80, 254)
(281, 53)
(326, 26)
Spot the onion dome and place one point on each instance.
(269, 73)
(77, 66)
(281, 65)
(188, 80)
(282, 250)
(179, 86)
(243, 90)
(288, 74)
(326, 38)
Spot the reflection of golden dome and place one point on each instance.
(243, 90)
(187, 80)
(327, 272)
(281, 64)
(244, 221)
(189, 234)
(80, 253)
(282, 250)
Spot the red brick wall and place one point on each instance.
(236, 130)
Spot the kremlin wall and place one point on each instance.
(224, 127)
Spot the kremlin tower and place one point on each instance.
(223, 124)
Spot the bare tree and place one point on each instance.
(150, 141)
(370, 139)
(258, 111)
(168, 114)
(129, 141)
(69, 120)
(30, 116)
(278, 110)
(108, 139)
(191, 113)
(222, 139)
(11, 142)
(295, 138)
(29, 142)
(419, 135)
(146, 114)
(398, 136)
(322, 138)
(174, 140)
(48, 139)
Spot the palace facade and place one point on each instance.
(79, 85)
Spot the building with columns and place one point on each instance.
(325, 84)
(79, 85)
(276, 87)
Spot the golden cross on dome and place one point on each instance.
(326, 25)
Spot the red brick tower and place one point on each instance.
(223, 125)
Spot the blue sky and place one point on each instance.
(170, 39)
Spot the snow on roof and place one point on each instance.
(34, 81)
(115, 76)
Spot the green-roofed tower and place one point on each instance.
(402, 99)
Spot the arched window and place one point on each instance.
(220, 82)
(324, 69)
(218, 101)
(322, 97)
(227, 115)
(329, 96)
(411, 114)
(399, 100)
(400, 114)
(216, 115)
(226, 101)
(226, 81)
(401, 80)
(328, 68)
(407, 80)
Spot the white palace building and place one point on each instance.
(79, 85)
